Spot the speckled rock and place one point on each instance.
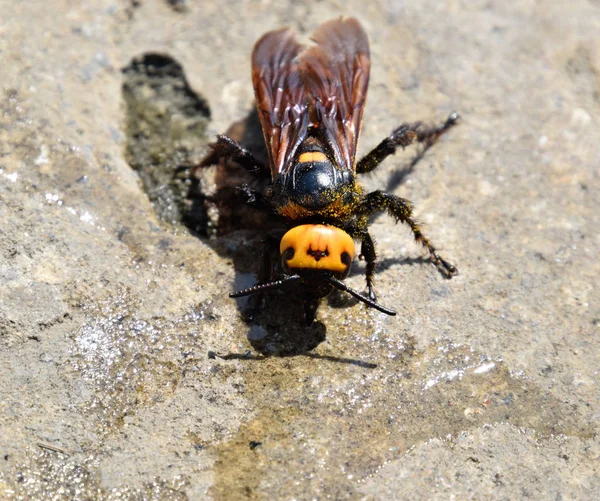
(127, 373)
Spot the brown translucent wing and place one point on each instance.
(280, 96)
(336, 74)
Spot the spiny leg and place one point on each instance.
(368, 252)
(227, 148)
(401, 210)
(310, 310)
(402, 137)
(429, 135)
(253, 198)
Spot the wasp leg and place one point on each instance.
(310, 310)
(368, 252)
(264, 274)
(402, 137)
(253, 198)
(429, 135)
(401, 210)
(227, 148)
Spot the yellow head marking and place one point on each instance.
(317, 247)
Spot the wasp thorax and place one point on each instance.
(317, 247)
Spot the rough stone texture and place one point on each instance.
(483, 387)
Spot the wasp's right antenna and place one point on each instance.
(258, 288)
(343, 287)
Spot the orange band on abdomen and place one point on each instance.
(312, 156)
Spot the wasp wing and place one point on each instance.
(336, 73)
(280, 95)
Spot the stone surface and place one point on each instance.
(484, 386)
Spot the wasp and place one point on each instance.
(310, 102)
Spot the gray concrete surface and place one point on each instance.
(483, 387)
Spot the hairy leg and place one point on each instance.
(402, 137)
(227, 148)
(368, 252)
(400, 209)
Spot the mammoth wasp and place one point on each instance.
(310, 102)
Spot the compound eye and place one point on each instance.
(285, 257)
(346, 259)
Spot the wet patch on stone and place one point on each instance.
(165, 125)
(324, 433)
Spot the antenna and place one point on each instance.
(255, 289)
(343, 287)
